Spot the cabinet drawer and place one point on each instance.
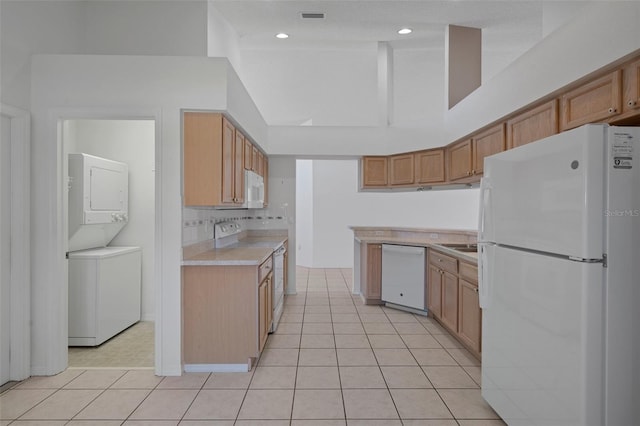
(265, 268)
(443, 261)
(469, 272)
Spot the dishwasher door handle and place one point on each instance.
(402, 249)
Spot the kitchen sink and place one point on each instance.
(463, 247)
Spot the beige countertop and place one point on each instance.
(420, 237)
(252, 249)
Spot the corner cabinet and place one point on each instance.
(374, 172)
(466, 159)
(453, 300)
(213, 161)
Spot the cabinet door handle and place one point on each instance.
(475, 289)
(612, 110)
(439, 260)
(631, 103)
(473, 172)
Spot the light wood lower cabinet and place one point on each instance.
(434, 291)
(453, 298)
(226, 312)
(265, 297)
(469, 315)
(449, 300)
(371, 273)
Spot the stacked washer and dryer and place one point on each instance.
(104, 281)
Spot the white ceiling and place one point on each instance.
(506, 24)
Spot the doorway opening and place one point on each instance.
(93, 272)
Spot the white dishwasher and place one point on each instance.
(403, 276)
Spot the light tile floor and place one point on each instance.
(132, 348)
(332, 362)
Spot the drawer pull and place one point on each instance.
(612, 110)
(631, 103)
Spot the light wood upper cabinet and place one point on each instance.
(228, 161)
(260, 168)
(532, 125)
(461, 160)
(374, 172)
(238, 167)
(489, 142)
(429, 166)
(265, 173)
(466, 158)
(248, 154)
(631, 92)
(210, 161)
(254, 159)
(598, 100)
(401, 169)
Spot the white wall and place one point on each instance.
(222, 39)
(131, 142)
(318, 86)
(601, 33)
(337, 204)
(29, 27)
(77, 86)
(151, 27)
(304, 212)
(418, 90)
(100, 27)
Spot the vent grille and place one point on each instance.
(312, 15)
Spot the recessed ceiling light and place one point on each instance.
(405, 31)
(282, 35)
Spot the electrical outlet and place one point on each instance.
(434, 236)
(379, 233)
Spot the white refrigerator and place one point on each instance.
(559, 260)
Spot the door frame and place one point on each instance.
(20, 248)
(58, 310)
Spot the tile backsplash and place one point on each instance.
(197, 224)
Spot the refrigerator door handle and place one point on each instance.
(485, 188)
(484, 277)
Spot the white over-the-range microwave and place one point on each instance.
(253, 190)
